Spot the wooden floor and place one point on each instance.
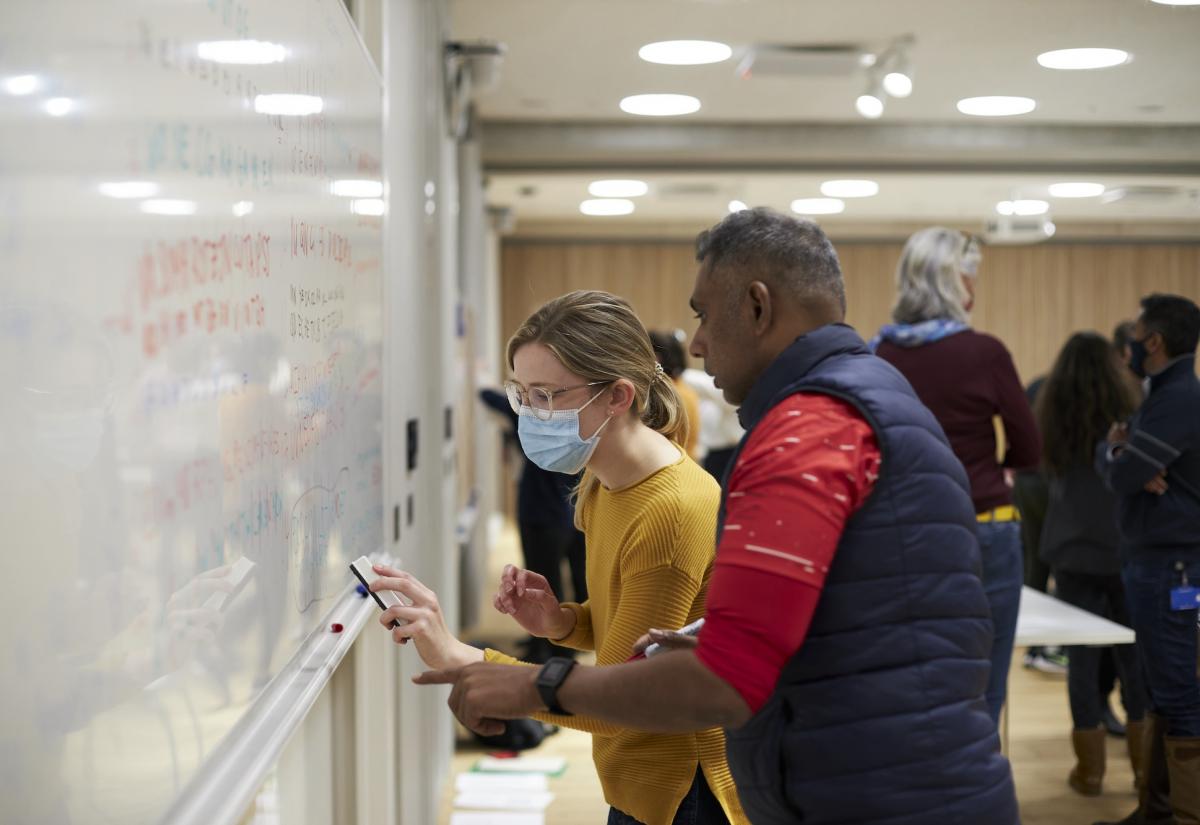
(1039, 730)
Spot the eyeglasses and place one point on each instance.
(539, 399)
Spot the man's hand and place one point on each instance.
(486, 694)
(1158, 484)
(666, 639)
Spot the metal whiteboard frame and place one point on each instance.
(233, 772)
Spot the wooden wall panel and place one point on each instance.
(1032, 297)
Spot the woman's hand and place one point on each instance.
(527, 597)
(421, 621)
(666, 639)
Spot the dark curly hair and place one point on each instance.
(1087, 391)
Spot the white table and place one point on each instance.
(1044, 620)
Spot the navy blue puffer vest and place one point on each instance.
(879, 718)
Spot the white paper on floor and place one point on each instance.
(552, 765)
(504, 800)
(494, 818)
(510, 782)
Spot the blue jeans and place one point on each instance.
(1003, 569)
(1166, 638)
(699, 807)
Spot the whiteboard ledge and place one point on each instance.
(235, 770)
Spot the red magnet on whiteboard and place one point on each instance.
(336, 627)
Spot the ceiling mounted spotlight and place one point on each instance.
(870, 103)
(897, 68)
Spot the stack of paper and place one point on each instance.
(502, 798)
(552, 765)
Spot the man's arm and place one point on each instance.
(1128, 466)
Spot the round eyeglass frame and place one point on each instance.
(520, 397)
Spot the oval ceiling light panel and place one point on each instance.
(660, 105)
(617, 188)
(737, 206)
(1076, 189)
(129, 189)
(1075, 59)
(818, 206)
(685, 52)
(607, 206)
(996, 106)
(897, 84)
(1028, 207)
(849, 188)
(241, 52)
(21, 85)
(1177, 2)
(59, 106)
(1004, 207)
(298, 105)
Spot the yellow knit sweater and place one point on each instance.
(650, 550)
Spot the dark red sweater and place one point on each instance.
(966, 379)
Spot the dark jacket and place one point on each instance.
(879, 717)
(1164, 435)
(1079, 534)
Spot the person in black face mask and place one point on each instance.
(1153, 465)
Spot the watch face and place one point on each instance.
(554, 671)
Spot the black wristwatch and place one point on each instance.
(550, 679)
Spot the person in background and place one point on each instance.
(668, 349)
(1152, 464)
(546, 523)
(967, 379)
(1086, 391)
(1030, 495)
(720, 430)
(847, 633)
(591, 397)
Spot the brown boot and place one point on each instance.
(1154, 807)
(1134, 734)
(1088, 772)
(1183, 764)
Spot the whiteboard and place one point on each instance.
(190, 344)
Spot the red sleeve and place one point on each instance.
(809, 465)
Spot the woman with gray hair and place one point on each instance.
(967, 379)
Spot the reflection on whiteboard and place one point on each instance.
(190, 394)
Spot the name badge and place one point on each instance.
(1185, 598)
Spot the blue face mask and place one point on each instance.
(555, 445)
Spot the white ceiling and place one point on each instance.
(576, 59)
(570, 62)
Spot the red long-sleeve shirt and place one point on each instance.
(808, 466)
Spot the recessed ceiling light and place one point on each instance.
(242, 52)
(849, 188)
(685, 52)
(607, 206)
(373, 207)
(22, 84)
(869, 106)
(617, 188)
(1177, 2)
(1076, 189)
(1071, 59)
(818, 206)
(357, 188)
(129, 189)
(243, 208)
(59, 106)
(1024, 207)
(660, 105)
(737, 206)
(168, 207)
(288, 105)
(996, 106)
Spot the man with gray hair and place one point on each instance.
(846, 636)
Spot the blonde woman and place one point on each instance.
(967, 379)
(591, 397)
